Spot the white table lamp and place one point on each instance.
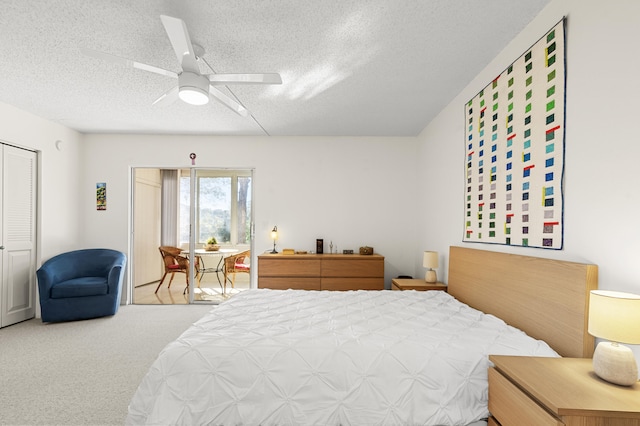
(615, 316)
(430, 261)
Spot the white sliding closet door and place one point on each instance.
(18, 233)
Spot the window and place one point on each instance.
(223, 206)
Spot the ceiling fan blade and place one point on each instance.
(168, 97)
(127, 62)
(272, 78)
(228, 102)
(181, 42)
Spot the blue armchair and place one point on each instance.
(81, 284)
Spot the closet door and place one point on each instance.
(146, 228)
(18, 232)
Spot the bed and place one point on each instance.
(274, 357)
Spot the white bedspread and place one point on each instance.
(268, 357)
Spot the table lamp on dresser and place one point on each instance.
(274, 237)
(615, 316)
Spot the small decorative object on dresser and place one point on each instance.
(366, 250)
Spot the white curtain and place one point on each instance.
(169, 207)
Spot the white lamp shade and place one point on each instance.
(430, 259)
(615, 316)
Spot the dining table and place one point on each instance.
(202, 268)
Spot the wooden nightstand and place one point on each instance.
(540, 391)
(415, 284)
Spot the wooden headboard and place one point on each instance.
(547, 299)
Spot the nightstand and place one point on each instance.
(541, 391)
(415, 284)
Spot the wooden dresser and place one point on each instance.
(321, 271)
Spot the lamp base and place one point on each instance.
(430, 276)
(615, 363)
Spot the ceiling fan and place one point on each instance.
(193, 87)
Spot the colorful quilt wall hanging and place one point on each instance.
(514, 155)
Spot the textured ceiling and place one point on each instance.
(349, 67)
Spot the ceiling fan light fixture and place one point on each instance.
(194, 88)
(193, 96)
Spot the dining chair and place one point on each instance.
(236, 263)
(173, 262)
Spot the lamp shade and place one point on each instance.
(274, 233)
(615, 316)
(430, 259)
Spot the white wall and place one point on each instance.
(602, 200)
(59, 176)
(352, 191)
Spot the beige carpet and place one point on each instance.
(84, 372)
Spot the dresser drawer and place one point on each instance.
(373, 267)
(285, 283)
(352, 284)
(289, 267)
(512, 407)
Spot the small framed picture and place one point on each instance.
(101, 196)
